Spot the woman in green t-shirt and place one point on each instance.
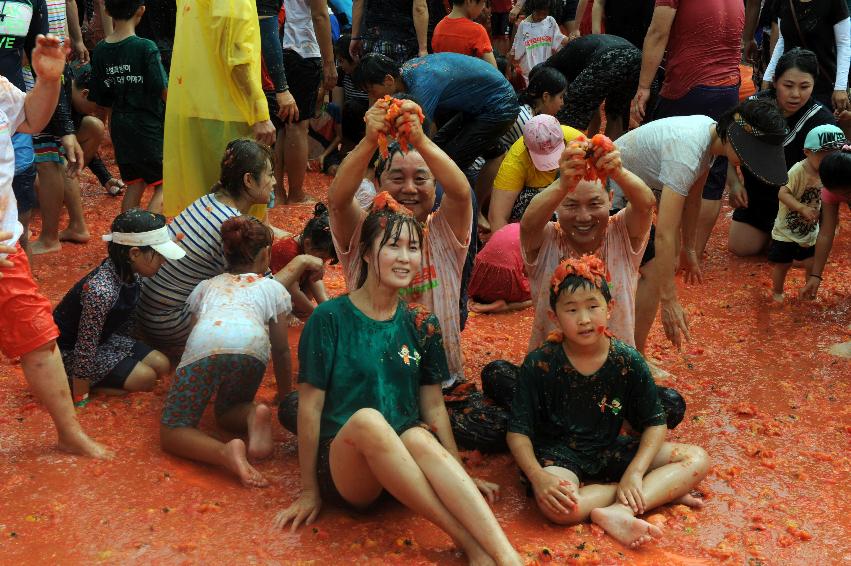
(371, 414)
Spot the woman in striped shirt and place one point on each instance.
(247, 178)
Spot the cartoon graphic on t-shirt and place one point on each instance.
(615, 406)
(798, 224)
(406, 355)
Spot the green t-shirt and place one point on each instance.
(128, 76)
(570, 415)
(364, 363)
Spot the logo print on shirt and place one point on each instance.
(407, 356)
(615, 405)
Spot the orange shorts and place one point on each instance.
(26, 316)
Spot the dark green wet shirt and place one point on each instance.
(364, 363)
(129, 77)
(570, 415)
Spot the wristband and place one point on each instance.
(816, 276)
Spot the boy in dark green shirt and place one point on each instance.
(572, 397)
(128, 77)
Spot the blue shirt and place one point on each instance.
(460, 83)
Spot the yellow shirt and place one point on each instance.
(517, 171)
(215, 94)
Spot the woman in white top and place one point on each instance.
(237, 314)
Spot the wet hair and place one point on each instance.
(243, 237)
(534, 5)
(572, 283)
(123, 9)
(242, 156)
(673, 404)
(388, 223)
(132, 221)
(82, 76)
(761, 113)
(372, 69)
(802, 59)
(341, 48)
(835, 170)
(543, 78)
(318, 230)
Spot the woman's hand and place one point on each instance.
(556, 494)
(639, 104)
(630, 492)
(304, 510)
(839, 98)
(675, 322)
(737, 195)
(690, 266)
(287, 107)
(489, 489)
(809, 291)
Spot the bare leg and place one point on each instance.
(646, 304)
(280, 157)
(24, 240)
(778, 278)
(46, 376)
(295, 160)
(675, 470)
(614, 126)
(133, 195)
(89, 136)
(744, 240)
(77, 231)
(709, 211)
(368, 456)
(484, 182)
(50, 187)
(256, 420)
(156, 203)
(191, 443)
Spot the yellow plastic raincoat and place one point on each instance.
(215, 95)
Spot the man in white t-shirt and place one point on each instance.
(25, 314)
(585, 227)
(673, 156)
(308, 62)
(410, 178)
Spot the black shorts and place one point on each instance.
(149, 172)
(118, 375)
(304, 77)
(761, 211)
(464, 138)
(23, 185)
(612, 77)
(787, 252)
(565, 10)
(608, 467)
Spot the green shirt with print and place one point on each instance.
(568, 415)
(128, 77)
(364, 363)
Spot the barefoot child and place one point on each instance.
(573, 395)
(315, 240)
(369, 379)
(29, 332)
(796, 228)
(96, 317)
(227, 352)
(128, 77)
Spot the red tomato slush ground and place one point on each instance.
(765, 398)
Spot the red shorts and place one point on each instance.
(26, 316)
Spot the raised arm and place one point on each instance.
(640, 198)
(655, 43)
(48, 62)
(545, 203)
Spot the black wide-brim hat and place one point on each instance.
(761, 153)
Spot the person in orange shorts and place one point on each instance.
(25, 314)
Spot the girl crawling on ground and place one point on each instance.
(236, 313)
(370, 413)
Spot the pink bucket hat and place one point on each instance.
(544, 139)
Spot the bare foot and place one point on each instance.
(76, 237)
(40, 247)
(300, 199)
(495, 306)
(689, 500)
(79, 443)
(619, 523)
(236, 462)
(260, 433)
